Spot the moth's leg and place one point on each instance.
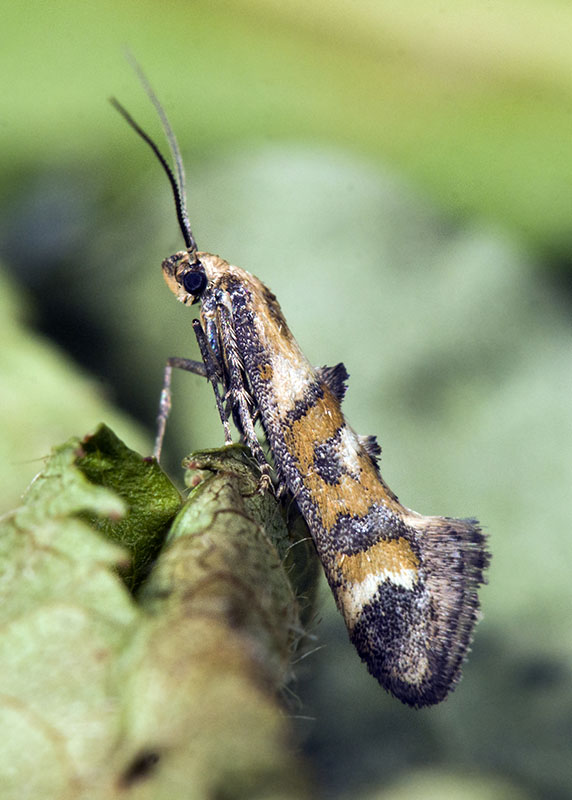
(240, 395)
(213, 371)
(207, 369)
(213, 343)
(165, 402)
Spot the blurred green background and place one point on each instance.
(400, 174)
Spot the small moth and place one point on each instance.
(406, 584)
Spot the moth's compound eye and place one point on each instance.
(194, 282)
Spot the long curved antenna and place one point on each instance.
(169, 132)
(178, 189)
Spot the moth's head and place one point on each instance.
(185, 276)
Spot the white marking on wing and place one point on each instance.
(290, 380)
(348, 451)
(354, 596)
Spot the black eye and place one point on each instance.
(194, 282)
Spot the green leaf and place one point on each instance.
(66, 617)
(150, 497)
(170, 696)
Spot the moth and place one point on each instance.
(406, 584)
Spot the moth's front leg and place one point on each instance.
(209, 368)
(214, 373)
(240, 395)
(165, 401)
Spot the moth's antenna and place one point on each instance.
(177, 187)
(169, 133)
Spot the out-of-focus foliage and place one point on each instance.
(304, 127)
(44, 399)
(470, 99)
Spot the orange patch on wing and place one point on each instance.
(353, 494)
(387, 555)
(320, 422)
